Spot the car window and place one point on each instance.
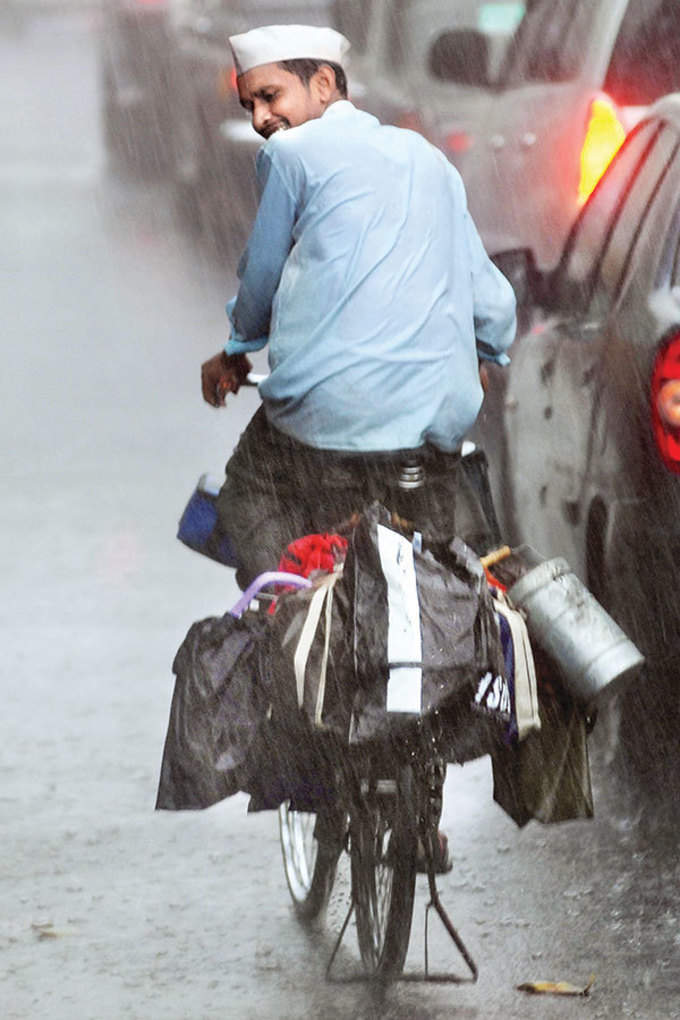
(353, 19)
(591, 232)
(413, 26)
(550, 41)
(662, 229)
(629, 226)
(645, 61)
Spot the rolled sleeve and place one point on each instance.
(236, 344)
(262, 263)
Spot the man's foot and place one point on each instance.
(442, 858)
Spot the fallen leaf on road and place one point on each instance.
(48, 931)
(556, 987)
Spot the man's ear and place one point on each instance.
(323, 83)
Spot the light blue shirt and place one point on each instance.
(367, 276)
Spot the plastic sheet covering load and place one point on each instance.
(222, 734)
(218, 708)
(265, 703)
(424, 635)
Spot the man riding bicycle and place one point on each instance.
(367, 278)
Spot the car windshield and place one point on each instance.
(550, 41)
(414, 25)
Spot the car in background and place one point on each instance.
(215, 145)
(396, 47)
(531, 137)
(136, 75)
(592, 406)
(170, 102)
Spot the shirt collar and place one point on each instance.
(339, 107)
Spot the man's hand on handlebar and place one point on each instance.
(223, 374)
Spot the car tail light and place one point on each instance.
(604, 135)
(666, 402)
(226, 83)
(458, 141)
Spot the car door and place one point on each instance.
(552, 401)
(585, 352)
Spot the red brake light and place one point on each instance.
(666, 403)
(458, 141)
(604, 135)
(226, 83)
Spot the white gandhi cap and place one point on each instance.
(273, 43)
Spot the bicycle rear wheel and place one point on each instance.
(309, 866)
(383, 848)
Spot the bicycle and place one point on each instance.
(390, 799)
(386, 807)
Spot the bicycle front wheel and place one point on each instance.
(383, 848)
(309, 866)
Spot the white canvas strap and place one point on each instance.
(526, 692)
(323, 594)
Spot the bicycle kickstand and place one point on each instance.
(339, 939)
(435, 901)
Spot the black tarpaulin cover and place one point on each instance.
(235, 722)
(459, 640)
(222, 735)
(328, 670)
(218, 707)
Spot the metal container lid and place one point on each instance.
(537, 578)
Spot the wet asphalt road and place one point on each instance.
(108, 910)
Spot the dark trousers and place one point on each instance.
(277, 489)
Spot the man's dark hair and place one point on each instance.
(305, 70)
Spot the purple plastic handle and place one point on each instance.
(261, 581)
